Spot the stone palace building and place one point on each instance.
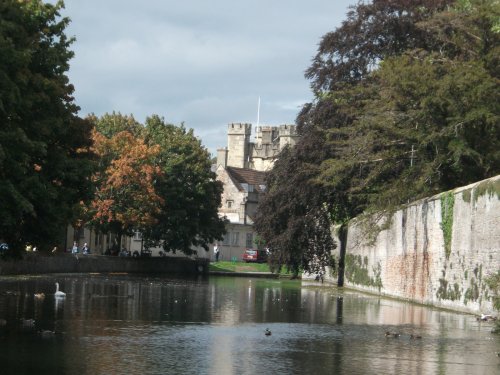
(241, 166)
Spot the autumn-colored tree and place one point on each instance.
(125, 198)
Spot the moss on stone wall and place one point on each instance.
(466, 195)
(472, 292)
(446, 291)
(447, 203)
(493, 282)
(356, 271)
(489, 187)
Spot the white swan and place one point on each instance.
(58, 292)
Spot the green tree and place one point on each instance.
(417, 116)
(371, 32)
(425, 121)
(291, 216)
(191, 195)
(44, 147)
(113, 123)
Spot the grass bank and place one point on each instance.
(242, 267)
(227, 266)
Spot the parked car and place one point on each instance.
(255, 255)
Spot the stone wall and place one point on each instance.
(37, 263)
(435, 251)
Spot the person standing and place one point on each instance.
(74, 249)
(85, 249)
(216, 252)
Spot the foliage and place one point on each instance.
(406, 106)
(156, 179)
(447, 203)
(114, 123)
(190, 194)
(288, 219)
(125, 198)
(372, 32)
(493, 283)
(44, 147)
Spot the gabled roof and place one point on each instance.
(247, 176)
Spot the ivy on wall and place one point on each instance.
(447, 203)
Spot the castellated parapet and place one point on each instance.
(261, 154)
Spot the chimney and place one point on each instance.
(222, 157)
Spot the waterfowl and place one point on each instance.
(415, 337)
(46, 333)
(486, 317)
(39, 295)
(267, 332)
(392, 334)
(58, 293)
(28, 323)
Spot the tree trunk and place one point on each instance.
(343, 244)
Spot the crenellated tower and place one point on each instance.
(259, 155)
(238, 144)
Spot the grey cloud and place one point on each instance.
(202, 62)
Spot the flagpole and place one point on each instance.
(258, 111)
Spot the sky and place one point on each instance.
(203, 63)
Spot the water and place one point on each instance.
(120, 324)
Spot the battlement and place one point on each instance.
(239, 128)
(260, 154)
(288, 130)
(272, 134)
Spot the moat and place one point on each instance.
(129, 324)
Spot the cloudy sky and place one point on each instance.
(204, 63)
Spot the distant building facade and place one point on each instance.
(259, 155)
(241, 167)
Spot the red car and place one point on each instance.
(254, 255)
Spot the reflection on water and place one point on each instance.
(121, 324)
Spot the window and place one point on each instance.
(225, 241)
(235, 239)
(249, 240)
(137, 236)
(229, 204)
